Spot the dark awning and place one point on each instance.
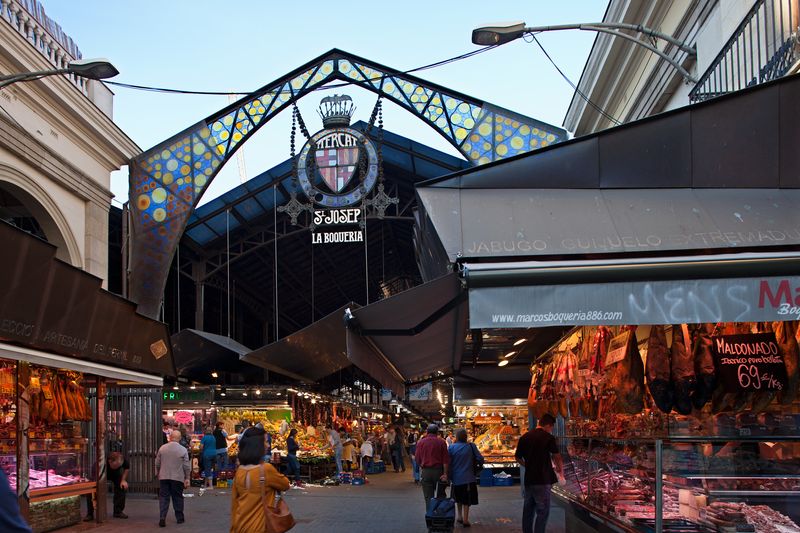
(54, 307)
(319, 350)
(419, 331)
(511, 223)
(491, 382)
(198, 354)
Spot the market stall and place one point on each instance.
(63, 341)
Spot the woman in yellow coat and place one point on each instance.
(247, 509)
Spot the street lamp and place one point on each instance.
(504, 32)
(94, 69)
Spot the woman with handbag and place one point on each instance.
(465, 462)
(256, 506)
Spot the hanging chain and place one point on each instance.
(294, 207)
(380, 201)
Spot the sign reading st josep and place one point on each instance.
(337, 168)
(749, 362)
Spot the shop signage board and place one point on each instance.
(749, 362)
(487, 420)
(334, 226)
(638, 302)
(421, 393)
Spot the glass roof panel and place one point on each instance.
(219, 223)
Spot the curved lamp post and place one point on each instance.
(501, 33)
(94, 69)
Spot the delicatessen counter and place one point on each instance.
(690, 428)
(51, 461)
(495, 431)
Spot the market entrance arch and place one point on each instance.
(167, 181)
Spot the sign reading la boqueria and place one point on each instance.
(749, 362)
(337, 218)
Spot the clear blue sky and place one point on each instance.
(242, 45)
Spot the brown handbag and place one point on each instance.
(277, 519)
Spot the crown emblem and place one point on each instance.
(336, 111)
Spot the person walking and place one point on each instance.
(173, 470)
(221, 438)
(537, 451)
(185, 441)
(335, 444)
(367, 452)
(397, 450)
(254, 485)
(291, 455)
(464, 456)
(413, 437)
(434, 462)
(208, 456)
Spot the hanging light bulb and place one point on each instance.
(504, 362)
(509, 354)
(519, 342)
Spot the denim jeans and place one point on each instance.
(397, 460)
(222, 461)
(170, 489)
(415, 468)
(293, 467)
(337, 453)
(537, 505)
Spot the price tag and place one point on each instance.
(749, 362)
(617, 348)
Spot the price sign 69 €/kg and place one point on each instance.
(749, 362)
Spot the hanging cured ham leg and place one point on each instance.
(625, 382)
(705, 371)
(658, 369)
(683, 376)
(787, 342)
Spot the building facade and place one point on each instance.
(738, 44)
(58, 141)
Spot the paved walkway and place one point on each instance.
(389, 502)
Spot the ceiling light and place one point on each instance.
(244, 394)
(214, 375)
(504, 362)
(222, 394)
(258, 392)
(313, 400)
(519, 342)
(175, 387)
(509, 354)
(193, 387)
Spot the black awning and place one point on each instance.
(513, 223)
(319, 350)
(198, 354)
(419, 332)
(56, 308)
(490, 382)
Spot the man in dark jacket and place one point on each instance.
(536, 451)
(10, 519)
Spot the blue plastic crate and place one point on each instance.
(358, 481)
(503, 481)
(486, 478)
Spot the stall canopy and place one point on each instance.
(722, 175)
(419, 332)
(198, 354)
(320, 350)
(687, 216)
(50, 307)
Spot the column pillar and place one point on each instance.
(198, 274)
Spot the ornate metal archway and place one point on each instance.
(167, 181)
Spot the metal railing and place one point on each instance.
(28, 18)
(762, 48)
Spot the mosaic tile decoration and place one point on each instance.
(167, 181)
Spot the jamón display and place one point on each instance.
(695, 425)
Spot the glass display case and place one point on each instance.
(58, 462)
(687, 484)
